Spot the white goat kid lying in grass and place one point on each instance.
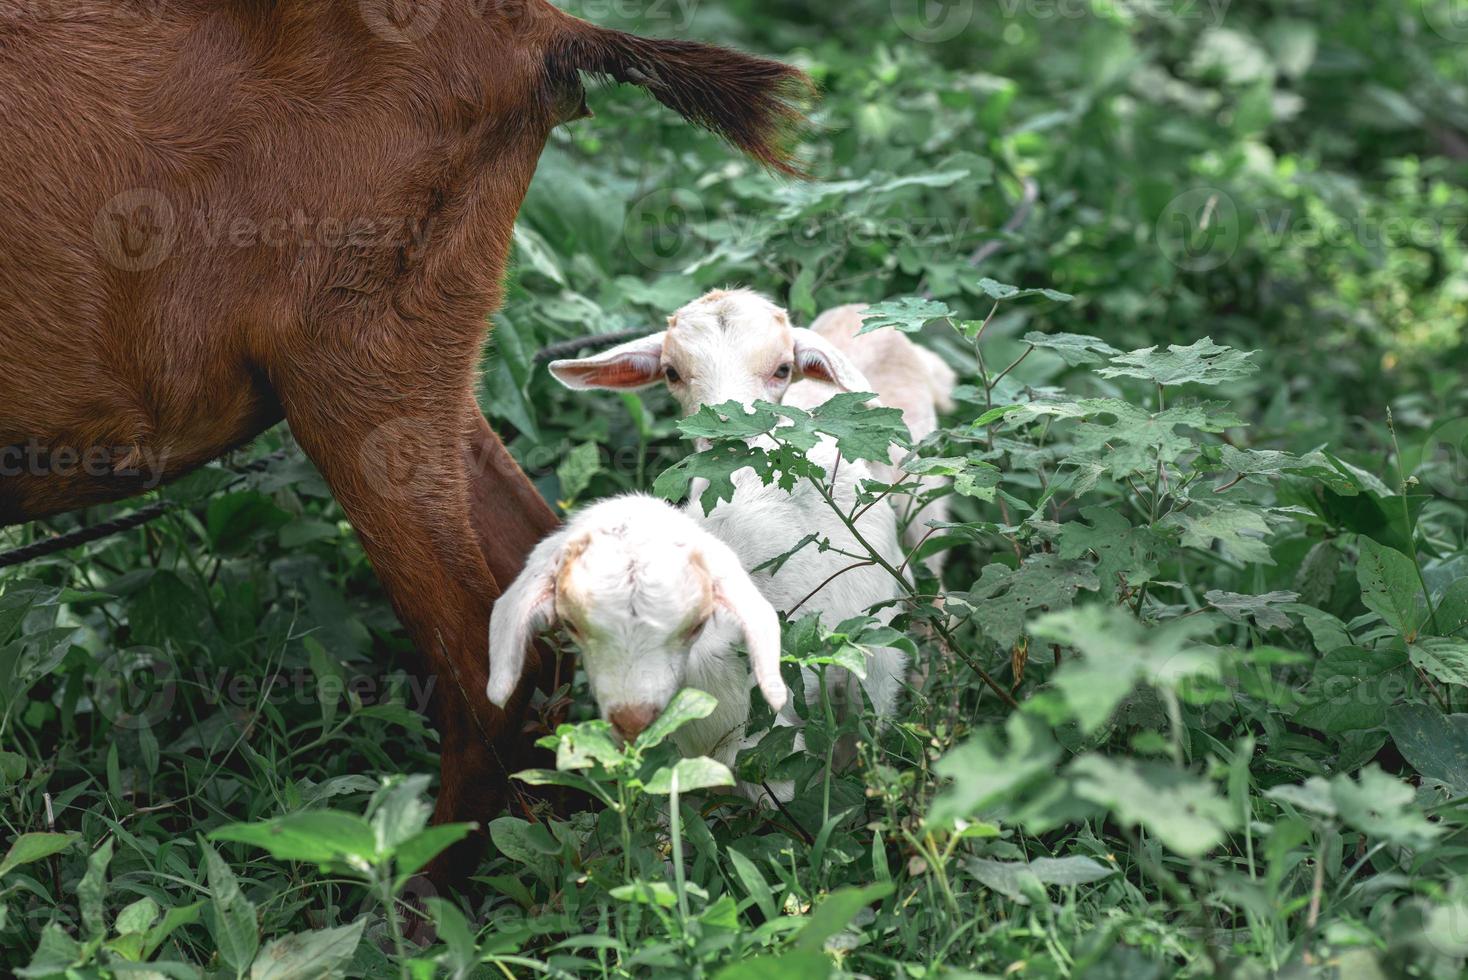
(738, 346)
(655, 604)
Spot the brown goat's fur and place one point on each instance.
(218, 213)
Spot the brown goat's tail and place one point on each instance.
(755, 103)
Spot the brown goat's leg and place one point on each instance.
(399, 472)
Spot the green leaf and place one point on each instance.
(1073, 348)
(308, 954)
(415, 852)
(693, 774)
(1390, 587)
(1003, 291)
(137, 917)
(398, 811)
(576, 471)
(1014, 879)
(1124, 554)
(1003, 597)
(1382, 807)
(861, 431)
(1239, 530)
(794, 965)
(689, 704)
(28, 848)
(586, 745)
(754, 882)
(1118, 652)
(91, 893)
(231, 917)
(56, 953)
(1445, 658)
(322, 837)
(1202, 362)
(1434, 743)
(1184, 812)
(836, 912)
(658, 893)
(1267, 611)
(908, 314)
(1351, 689)
(986, 773)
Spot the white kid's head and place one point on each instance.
(729, 345)
(639, 585)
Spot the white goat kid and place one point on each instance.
(735, 345)
(655, 604)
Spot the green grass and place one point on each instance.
(1223, 584)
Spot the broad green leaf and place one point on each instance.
(1351, 689)
(1003, 597)
(693, 774)
(1267, 611)
(794, 965)
(56, 953)
(398, 811)
(230, 917)
(1382, 807)
(689, 704)
(1183, 811)
(985, 773)
(91, 893)
(1201, 362)
(1445, 658)
(1117, 653)
(308, 954)
(1390, 587)
(1434, 743)
(323, 837)
(907, 314)
(588, 744)
(136, 917)
(1073, 348)
(28, 848)
(1239, 530)
(1125, 555)
(754, 883)
(412, 854)
(1013, 879)
(836, 912)
(658, 893)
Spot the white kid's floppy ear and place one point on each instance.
(526, 607)
(736, 595)
(817, 359)
(635, 364)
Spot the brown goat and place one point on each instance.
(216, 214)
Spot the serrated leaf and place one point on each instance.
(1201, 362)
(985, 773)
(1073, 348)
(1382, 807)
(1267, 611)
(1239, 530)
(1123, 553)
(1117, 653)
(1183, 811)
(1003, 597)
(906, 313)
